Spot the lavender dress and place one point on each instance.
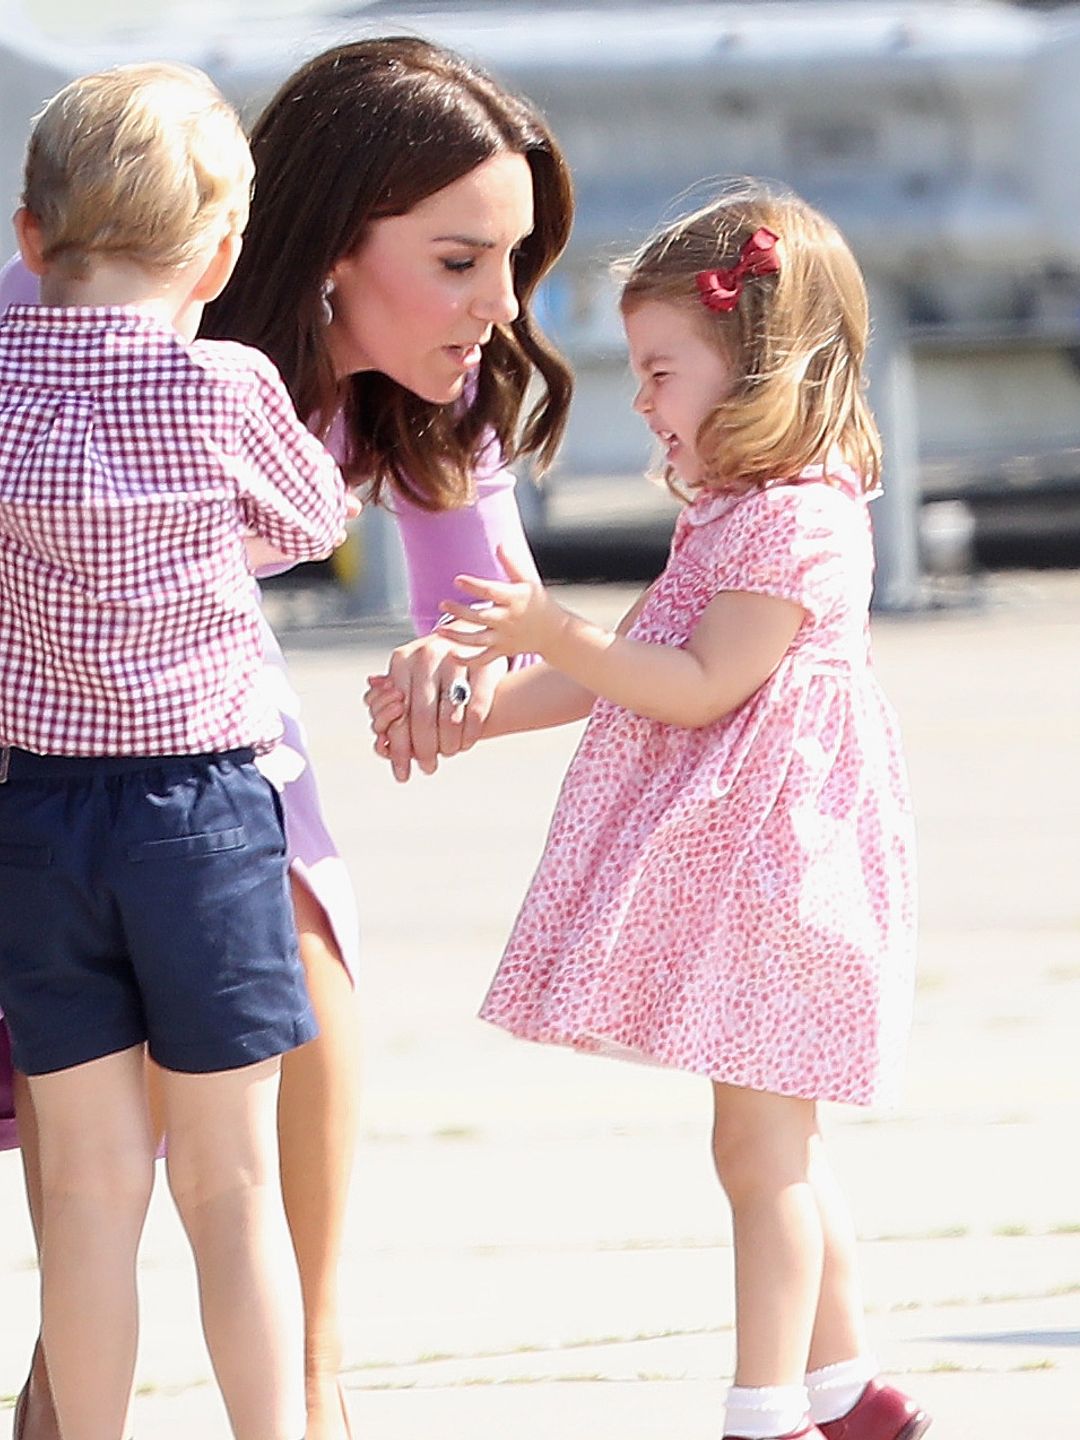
(437, 547)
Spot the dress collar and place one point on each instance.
(713, 504)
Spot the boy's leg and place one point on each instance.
(223, 1172)
(35, 1410)
(97, 1171)
(38, 1417)
(203, 891)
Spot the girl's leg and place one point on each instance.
(97, 1172)
(839, 1325)
(842, 1374)
(35, 1409)
(223, 1172)
(317, 1122)
(761, 1146)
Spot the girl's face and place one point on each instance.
(419, 297)
(682, 376)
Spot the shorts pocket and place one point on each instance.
(25, 857)
(180, 847)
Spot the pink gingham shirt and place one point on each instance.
(131, 463)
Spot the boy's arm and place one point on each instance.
(294, 498)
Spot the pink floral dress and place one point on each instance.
(737, 900)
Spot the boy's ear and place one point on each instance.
(31, 241)
(221, 265)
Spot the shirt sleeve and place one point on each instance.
(292, 492)
(794, 542)
(441, 544)
(18, 285)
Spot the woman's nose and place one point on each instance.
(498, 302)
(641, 402)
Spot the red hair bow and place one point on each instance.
(720, 289)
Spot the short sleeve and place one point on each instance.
(805, 543)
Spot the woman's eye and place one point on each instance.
(458, 267)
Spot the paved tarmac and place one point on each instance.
(537, 1247)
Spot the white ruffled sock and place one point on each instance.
(834, 1389)
(764, 1412)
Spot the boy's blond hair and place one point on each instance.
(796, 339)
(143, 162)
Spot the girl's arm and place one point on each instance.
(541, 697)
(737, 644)
(534, 698)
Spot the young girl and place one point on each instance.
(727, 884)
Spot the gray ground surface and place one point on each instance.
(536, 1246)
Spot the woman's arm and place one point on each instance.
(441, 545)
(535, 698)
(18, 286)
(423, 670)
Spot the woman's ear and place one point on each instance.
(220, 267)
(30, 239)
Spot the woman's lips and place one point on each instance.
(467, 356)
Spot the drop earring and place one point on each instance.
(325, 292)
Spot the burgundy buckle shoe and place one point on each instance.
(881, 1413)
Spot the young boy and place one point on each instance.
(142, 873)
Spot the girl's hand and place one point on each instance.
(518, 616)
(411, 710)
(386, 704)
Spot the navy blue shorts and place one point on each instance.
(146, 899)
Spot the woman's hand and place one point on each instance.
(517, 617)
(413, 714)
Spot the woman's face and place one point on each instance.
(419, 297)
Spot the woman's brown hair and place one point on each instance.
(359, 133)
(796, 338)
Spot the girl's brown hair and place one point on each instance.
(359, 133)
(796, 339)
